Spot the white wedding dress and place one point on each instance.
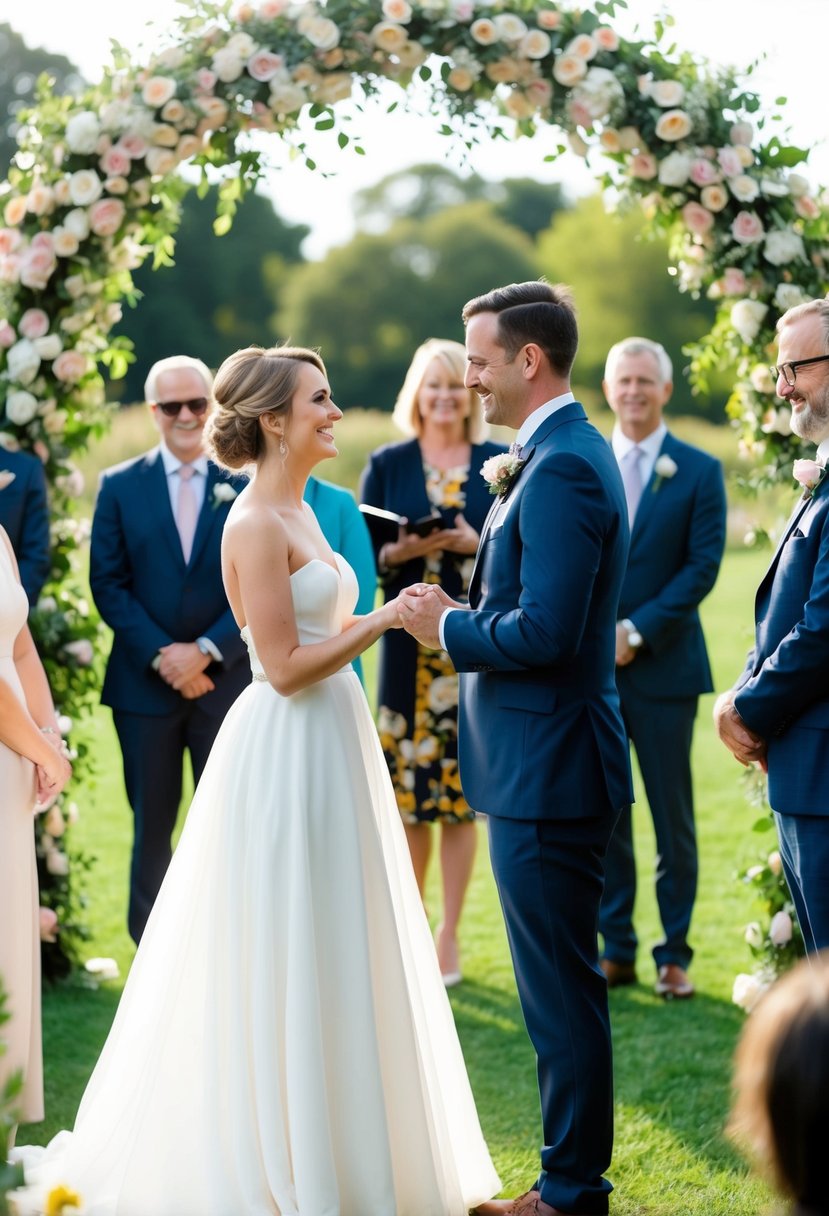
(284, 1045)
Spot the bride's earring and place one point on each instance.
(283, 447)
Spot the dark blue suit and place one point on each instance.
(24, 513)
(149, 598)
(783, 695)
(543, 751)
(676, 547)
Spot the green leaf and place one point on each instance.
(222, 224)
(324, 124)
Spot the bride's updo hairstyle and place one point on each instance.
(250, 383)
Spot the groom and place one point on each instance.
(543, 749)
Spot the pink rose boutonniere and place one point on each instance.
(664, 469)
(6, 478)
(810, 474)
(501, 471)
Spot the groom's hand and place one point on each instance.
(421, 607)
(744, 744)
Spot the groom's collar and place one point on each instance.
(534, 420)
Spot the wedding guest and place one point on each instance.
(777, 713)
(344, 527)
(33, 768)
(780, 1109)
(436, 471)
(543, 749)
(676, 509)
(24, 513)
(177, 661)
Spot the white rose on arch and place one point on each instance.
(746, 317)
(21, 407)
(783, 246)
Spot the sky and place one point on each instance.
(733, 32)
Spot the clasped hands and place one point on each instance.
(183, 667)
(419, 610)
(744, 744)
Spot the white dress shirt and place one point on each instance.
(649, 446)
(172, 464)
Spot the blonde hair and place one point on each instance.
(175, 363)
(452, 355)
(252, 382)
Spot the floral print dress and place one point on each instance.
(423, 755)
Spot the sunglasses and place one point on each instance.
(197, 406)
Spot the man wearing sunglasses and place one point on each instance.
(177, 661)
(777, 714)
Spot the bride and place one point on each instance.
(284, 1045)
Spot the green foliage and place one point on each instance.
(368, 304)
(11, 1176)
(621, 288)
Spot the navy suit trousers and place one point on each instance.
(549, 879)
(804, 850)
(153, 752)
(661, 732)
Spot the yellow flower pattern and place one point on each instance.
(422, 758)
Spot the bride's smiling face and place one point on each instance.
(309, 429)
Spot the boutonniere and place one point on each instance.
(664, 469)
(810, 474)
(223, 491)
(6, 478)
(501, 471)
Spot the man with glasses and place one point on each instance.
(177, 661)
(777, 714)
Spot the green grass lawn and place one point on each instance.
(672, 1061)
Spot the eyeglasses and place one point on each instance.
(197, 406)
(789, 370)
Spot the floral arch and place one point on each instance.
(94, 191)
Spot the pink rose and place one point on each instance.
(606, 38)
(734, 282)
(808, 472)
(115, 162)
(48, 925)
(106, 216)
(780, 929)
(698, 219)
(206, 79)
(747, 228)
(8, 337)
(729, 161)
(34, 323)
(37, 266)
(10, 239)
(264, 65)
(69, 366)
(134, 145)
(806, 207)
(548, 20)
(269, 9)
(643, 165)
(704, 173)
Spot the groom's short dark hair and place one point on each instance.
(536, 312)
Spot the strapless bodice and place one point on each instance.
(324, 599)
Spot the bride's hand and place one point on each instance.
(391, 614)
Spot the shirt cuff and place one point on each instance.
(204, 643)
(441, 624)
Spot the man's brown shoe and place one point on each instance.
(618, 974)
(529, 1204)
(673, 983)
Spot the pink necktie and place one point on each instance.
(632, 478)
(187, 509)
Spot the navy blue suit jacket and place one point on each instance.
(24, 513)
(783, 693)
(676, 546)
(149, 597)
(541, 732)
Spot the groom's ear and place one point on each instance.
(533, 360)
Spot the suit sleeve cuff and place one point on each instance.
(441, 626)
(205, 644)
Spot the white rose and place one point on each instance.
(665, 467)
(666, 93)
(102, 968)
(242, 44)
(21, 407)
(789, 295)
(23, 361)
(85, 187)
(82, 132)
(57, 863)
(66, 243)
(754, 935)
(675, 169)
(49, 346)
(744, 188)
(798, 185)
(223, 491)
(443, 693)
(160, 161)
(81, 651)
(780, 929)
(773, 187)
(673, 125)
(747, 317)
(762, 382)
(510, 27)
(323, 33)
(227, 65)
(782, 246)
(747, 991)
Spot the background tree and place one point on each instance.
(621, 288)
(221, 292)
(20, 67)
(369, 303)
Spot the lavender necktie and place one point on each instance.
(187, 509)
(631, 469)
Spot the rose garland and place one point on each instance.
(93, 191)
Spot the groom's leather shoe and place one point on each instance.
(673, 983)
(529, 1204)
(618, 974)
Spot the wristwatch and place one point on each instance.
(204, 647)
(635, 638)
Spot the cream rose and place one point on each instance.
(70, 366)
(324, 33)
(227, 65)
(49, 346)
(643, 165)
(85, 187)
(175, 112)
(780, 929)
(747, 991)
(510, 27)
(161, 161)
(569, 69)
(673, 125)
(605, 38)
(40, 200)
(744, 188)
(157, 91)
(397, 10)
(388, 36)
(583, 46)
(667, 93)
(535, 44)
(741, 133)
(483, 31)
(715, 198)
(548, 19)
(14, 210)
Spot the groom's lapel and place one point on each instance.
(499, 505)
(800, 508)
